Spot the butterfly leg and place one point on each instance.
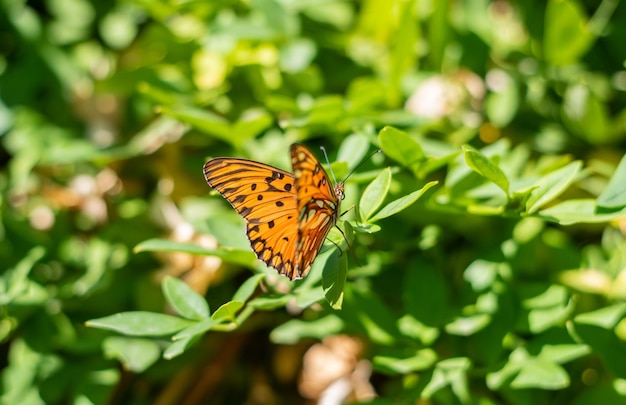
(348, 210)
(347, 243)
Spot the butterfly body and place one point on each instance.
(288, 216)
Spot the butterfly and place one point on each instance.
(287, 215)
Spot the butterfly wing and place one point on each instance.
(265, 197)
(317, 206)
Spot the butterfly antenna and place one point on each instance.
(329, 166)
(362, 163)
(353, 170)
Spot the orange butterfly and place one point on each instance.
(288, 215)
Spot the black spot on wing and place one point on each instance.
(239, 199)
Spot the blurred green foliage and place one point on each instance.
(490, 234)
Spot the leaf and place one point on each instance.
(179, 346)
(399, 146)
(270, 303)
(227, 311)
(15, 281)
(614, 195)
(469, 325)
(450, 372)
(413, 328)
(371, 314)
(578, 211)
(422, 360)
(235, 256)
(375, 194)
(540, 320)
(552, 185)
(204, 121)
(567, 37)
(401, 203)
(251, 124)
(293, 331)
(486, 168)
(540, 373)
(140, 323)
(248, 287)
(503, 103)
(135, 354)
(606, 317)
(197, 329)
(334, 278)
(185, 301)
(353, 149)
(563, 353)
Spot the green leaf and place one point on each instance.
(270, 303)
(566, 37)
(578, 211)
(468, 325)
(135, 354)
(401, 203)
(450, 372)
(415, 329)
(586, 115)
(14, 281)
(334, 278)
(563, 353)
(399, 146)
(422, 360)
(353, 149)
(552, 185)
(374, 194)
(481, 274)
(248, 287)
(606, 317)
(503, 103)
(179, 346)
(371, 314)
(235, 256)
(197, 329)
(185, 301)
(486, 168)
(541, 297)
(540, 373)
(140, 323)
(540, 320)
(204, 121)
(614, 195)
(294, 330)
(251, 124)
(227, 311)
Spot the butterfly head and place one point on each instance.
(338, 189)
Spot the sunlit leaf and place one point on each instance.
(184, 300)
(401, 203)
(139, 323)
(135, 354)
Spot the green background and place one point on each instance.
(490, 234)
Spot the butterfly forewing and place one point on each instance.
(265, 197)
(317, 206)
